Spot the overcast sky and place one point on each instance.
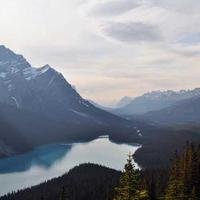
(108, 48)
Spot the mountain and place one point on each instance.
(100, 106)
(185, 111)
(156, 100)
(21, 130)
(43, 107)
(123, 102)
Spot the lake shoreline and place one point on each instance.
(49, 161)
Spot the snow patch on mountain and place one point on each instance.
(156, 100)
(32, 73)
(15, 101)
(3, 75)
(11, 64)
(170, 94)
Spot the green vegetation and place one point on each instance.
(129, 187)
(184, 181)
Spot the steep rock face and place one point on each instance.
(32, 88)
(9, 61)
(42, 90)
(42, 107)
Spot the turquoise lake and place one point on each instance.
(49, 161)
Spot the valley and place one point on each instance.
(47, 128)
(99, 100)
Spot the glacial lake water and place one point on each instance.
(49, 161)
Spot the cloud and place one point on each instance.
(190, 39)
(113, 8)
(118, 47)
(132, 32)
(184, 6)
(179, 5)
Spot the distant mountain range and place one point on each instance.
(40, 106)
(156, 100)
(183, 112)
(166, 107)
(124, 101)
(121, 103)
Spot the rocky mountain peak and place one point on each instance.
(9, 61)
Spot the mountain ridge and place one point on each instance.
(156, 100)
(43, 93)
(183, 112)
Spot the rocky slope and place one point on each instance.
(47, 108)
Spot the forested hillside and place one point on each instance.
(159, 145)
(87, 181)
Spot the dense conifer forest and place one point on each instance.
(87, 181)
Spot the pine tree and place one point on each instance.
(184, 182)
(175, 186)
(63, 195)
(191, 171)
(198, 175)
(129, 184)
(152, 192)
(194, 169)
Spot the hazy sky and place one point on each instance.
(108, 48)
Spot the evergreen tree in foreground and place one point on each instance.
(175, 186)
(184, 182)
(129, 187)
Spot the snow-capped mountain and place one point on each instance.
(183, 112)
(156, 100)
(10, 61)
(172, 95)
(43, 100)
(37, 89)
